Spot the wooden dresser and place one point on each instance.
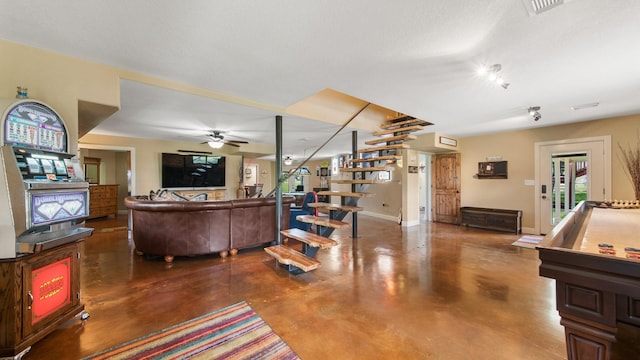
(103, 200)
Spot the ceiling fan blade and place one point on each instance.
(230, 144)
(236, 141)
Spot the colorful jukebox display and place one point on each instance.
(44, 203)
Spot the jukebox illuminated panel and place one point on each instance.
(35, 125)
(51, 289)
(51, 207)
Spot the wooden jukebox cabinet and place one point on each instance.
(41, 227)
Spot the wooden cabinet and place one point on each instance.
(103, 200)
(40, 292)
(492, 219)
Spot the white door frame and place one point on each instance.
(573, 145)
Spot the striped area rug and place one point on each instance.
(528, 241)
(235, 332)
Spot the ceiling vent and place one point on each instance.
(535, 7)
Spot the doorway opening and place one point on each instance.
(568, 171)
(118, 171)
(569, 183)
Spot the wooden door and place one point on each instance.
(446, 188)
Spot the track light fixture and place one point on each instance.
(534, 111)
(491, 73)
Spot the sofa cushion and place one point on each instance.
(160, 194)
(164, 195)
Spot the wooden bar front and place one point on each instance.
(597, 294)
(22, 322)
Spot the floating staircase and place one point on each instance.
(364, 169)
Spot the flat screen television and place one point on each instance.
(192, 170)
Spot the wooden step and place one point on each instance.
(398, 117)
(288, 256)
(358, 181)
(403, 137)
(322, 221)
(309, 238)
(370, 168)
(411, 128)
(345, 194)
(328, 206)
(386, 147)
(400, 124)
(379, 158)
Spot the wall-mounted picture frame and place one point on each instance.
(492, 170)
(448, 141)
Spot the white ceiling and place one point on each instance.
(418, 57)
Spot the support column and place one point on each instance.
(354, 155)
(278, 176)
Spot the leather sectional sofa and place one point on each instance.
(188, 228)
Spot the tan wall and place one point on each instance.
(387, 198)
(61, 81)
(58, 80)
(517, 147)
(148, 160)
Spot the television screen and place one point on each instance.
(192, 170)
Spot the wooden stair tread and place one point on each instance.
(322, 221)
(309, 238)
(386, 147)
(346, 194)
(403, 137)
(399, 117)
(288, 256)
(400, 124)
(411, 128)
(358, 181)
(329, 206)
(370, 168)
(379, 158)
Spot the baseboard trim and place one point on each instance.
(380, 216)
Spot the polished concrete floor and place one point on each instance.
(433, 291)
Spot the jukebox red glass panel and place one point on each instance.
(51, 288)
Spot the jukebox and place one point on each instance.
(43, 203)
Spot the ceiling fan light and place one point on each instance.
(215, 144)
(288, 161)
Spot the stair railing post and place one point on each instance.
(278, 175)
(354, 155)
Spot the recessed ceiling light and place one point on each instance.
(584, 106)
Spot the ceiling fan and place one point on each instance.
(216, 140)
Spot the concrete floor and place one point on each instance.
(433, 291)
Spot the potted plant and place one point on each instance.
(630, 158)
